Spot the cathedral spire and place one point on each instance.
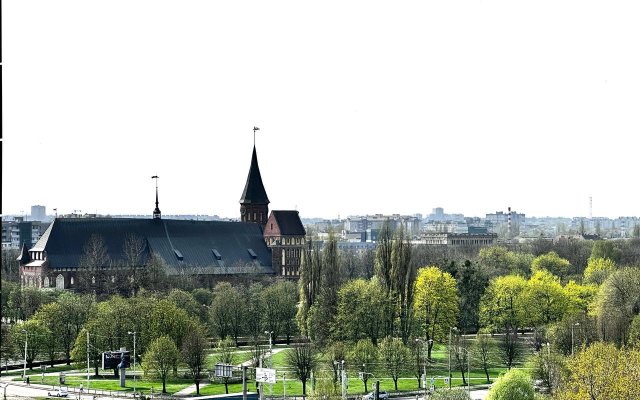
(254, 203)
(156, 212)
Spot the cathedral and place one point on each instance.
(260, 243)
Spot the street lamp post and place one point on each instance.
(134, 359)
(425, 344)
(449, 351)
(24, 369)
(468, 370)
(270, 333)
(572, 325)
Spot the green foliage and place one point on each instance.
(159, 358)
(634, 333)
(359, 314)
(436, 304)
(605, 249)
(37, 336)
(579, 297)
(497, 260)
(548, 368)
(486, 351)
(618, 303)
(454, 394)
(301, 359)
(502, 306)
(227, 309)
(602, 371)
(364, 355)
(544, 299)
(598, 269)
(279, 301)
(553, 263)
(194, 353)
(514, 385)
(394, 354)
(471, 283)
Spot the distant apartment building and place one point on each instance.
(438, 215)
(372, 223)
(17, 231)
(460, 239)
(508, 223)
(38, 213)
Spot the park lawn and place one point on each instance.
(38, 372)
(111, 384)
(239, 358)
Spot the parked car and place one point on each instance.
(58, 393)
(383, 395)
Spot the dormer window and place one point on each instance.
(216, 254)
(252, 254)
(178, 254)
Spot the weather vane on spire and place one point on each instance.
(255, 128)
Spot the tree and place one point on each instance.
(395, 355)
(436, 304)
(254, 309)
(336, 353)
(598, 269)
(225, 355)
(514, 385)
(605, 249)
(618, 303)
(160, 357)
(548, 368)
(497, 260)
(579, 297)
(322, 312)
(302, 361)
(601, 371)
(134, 250)
(471, 283)
(10, 267)
(502, 306)
(279, 301)
(360, 311)
(194, 353)
(364, 355)
(184, 300)
(36, 335)
(634, 333)
(51, 317)
(485, 348)
(418, 359)
(544, 299)
(74, 312)
(223, 314)
(553, 263)
(92, 276)
(383, 271)
(403, 273)
(153, 276)
(509, 347)
(309, 284)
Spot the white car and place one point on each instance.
(383, 395)
(58, 393)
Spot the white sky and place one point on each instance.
(363, 106)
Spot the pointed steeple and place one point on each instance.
(156, 212)
(254, 192)
(254, 203)
(24, 256)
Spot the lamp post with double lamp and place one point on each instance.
(572, 325)
(270, 333)
(134, 359)
(425, 343)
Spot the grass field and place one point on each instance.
(438, 369)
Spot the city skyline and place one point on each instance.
(363, 108)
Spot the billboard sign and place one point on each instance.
(265, 375)
(111, 359)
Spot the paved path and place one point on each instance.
(192, 389)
